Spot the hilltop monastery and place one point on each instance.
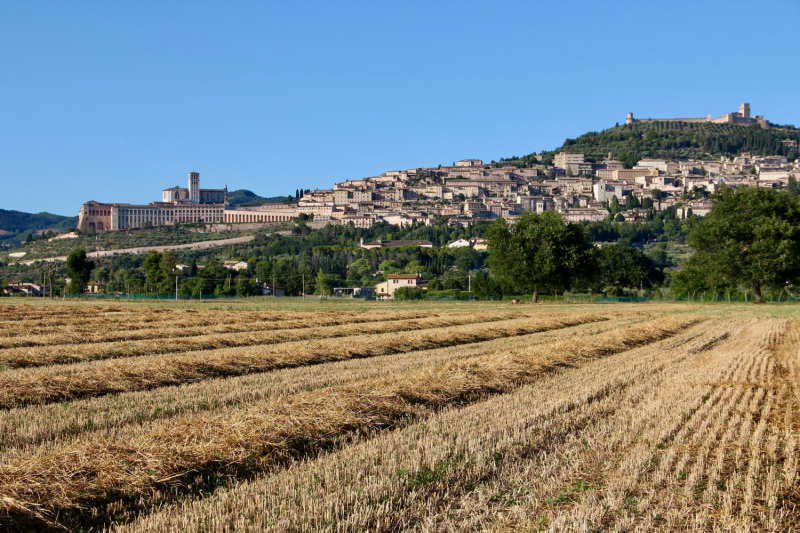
(178, 205)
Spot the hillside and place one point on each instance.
(115, 240)
(245, 197)
(676, 140)
(17, 223)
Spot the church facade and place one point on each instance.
(177, 205)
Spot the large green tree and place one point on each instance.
(792, 187)
(359, 272)
(467, 259)
(322, 284)
(152, 267)
(623, 266)
(751, 238)
(79, 270)
(485, 285)
(169, 261)
(540, 252)
(160, 270)
(614, 206)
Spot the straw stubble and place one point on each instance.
(58, 383)
(259, 437)
(254, 334)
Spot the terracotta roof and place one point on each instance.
(402, 276)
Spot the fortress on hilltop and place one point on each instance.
(742, 117)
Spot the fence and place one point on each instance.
(464, 296)
(588, 298)
(181, 297)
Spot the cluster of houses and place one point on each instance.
(471, 190)
(24, 289)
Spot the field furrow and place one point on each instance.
(279, 332)
(578, 469)
(260, 436)
(28, 429)
(59, 383)
(138, 318)
(100, 333)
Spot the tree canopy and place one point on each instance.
(622, 266)
(322, 284)
(79, 270)
(540, 252)
(159, 268)
(751, 238)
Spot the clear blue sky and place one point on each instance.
(114, 101)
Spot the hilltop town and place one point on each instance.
(581, 191)
(471, 189)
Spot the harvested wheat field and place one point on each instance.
(417, 417)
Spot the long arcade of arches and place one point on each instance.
(255, 217)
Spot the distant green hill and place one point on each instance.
(245, 197)
(677, 140)
(17, 223)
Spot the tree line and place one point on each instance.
(301, 260)
(750, 241)
(541, 253)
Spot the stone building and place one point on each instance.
(469, 163)
(741, 117)
(563, 159)
(178, 205)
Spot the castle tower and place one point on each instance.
(629, 119)
(194, 187)
(744, 110)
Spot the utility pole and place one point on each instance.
(304, 288)
(176, 288)
(273, 286)
(469, 282)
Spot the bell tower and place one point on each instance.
(194, 187)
